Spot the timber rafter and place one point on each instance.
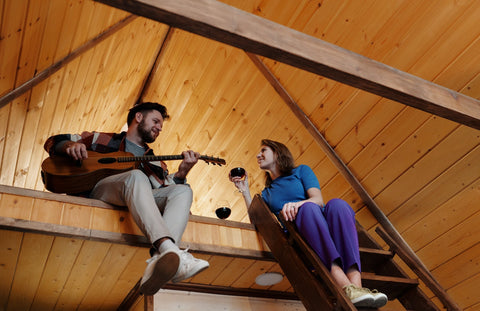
(254, 34)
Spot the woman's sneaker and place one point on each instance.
(380, 298)
(360, 297)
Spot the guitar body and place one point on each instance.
(62, 174)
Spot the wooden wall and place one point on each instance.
(422, 170)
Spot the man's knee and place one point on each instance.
(135, 177)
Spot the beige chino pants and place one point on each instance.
(159, 213)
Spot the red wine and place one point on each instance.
(223, 212)
(237, 172)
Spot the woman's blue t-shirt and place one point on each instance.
(291, 188)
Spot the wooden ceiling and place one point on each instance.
(422, 170)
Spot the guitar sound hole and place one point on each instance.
(106, 160)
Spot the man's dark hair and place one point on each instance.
(145, 108)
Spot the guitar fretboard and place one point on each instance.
(150, 158)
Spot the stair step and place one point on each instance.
(314, 283)
(394, 286)
(371, 259)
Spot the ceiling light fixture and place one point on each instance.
(269, 278)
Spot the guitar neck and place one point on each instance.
(150, 158)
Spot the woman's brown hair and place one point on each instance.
(283, 159)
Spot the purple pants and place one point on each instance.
(331, 232)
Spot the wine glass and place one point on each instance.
(237, 169)
(223, 209)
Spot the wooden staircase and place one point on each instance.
(312, 281)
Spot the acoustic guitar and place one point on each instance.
(62, 174)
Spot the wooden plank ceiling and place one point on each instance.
(422, 170)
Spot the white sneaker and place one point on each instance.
(360, 297)
(189, 266)
(160, 269)
(380, 298)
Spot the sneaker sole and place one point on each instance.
(380, 301)
(365, 303)
(164, 270)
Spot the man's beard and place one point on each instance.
(145, 133)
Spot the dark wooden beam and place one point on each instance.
(153, 69)
(414, 261)
(135, 294)
(44, 74)
(313, 291)
(223, 290)
(132, 297)
(411, 261)
(221, 22)
(149, 303)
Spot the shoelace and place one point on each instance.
(185, 255)
(371, 291)
(350, 288)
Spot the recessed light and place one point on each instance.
(269, 278)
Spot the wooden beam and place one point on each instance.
(36, 194)
(23, 225)
(148, 303)
(221, 22)
(311, 290)
(322, 142)
(414, 263)
(135, 294)
(132, 297)
(427, 278)
(153, 69)
(223, 290)
(44, 74)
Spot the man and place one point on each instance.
(159, 202)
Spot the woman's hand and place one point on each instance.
(242, 185)
(240, 182)
(290, 210)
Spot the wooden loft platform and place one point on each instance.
(76, 252)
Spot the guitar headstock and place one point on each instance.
(213, 160)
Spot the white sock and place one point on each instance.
(166, 245)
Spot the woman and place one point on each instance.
(328, 228)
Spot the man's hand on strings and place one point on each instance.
(190, 158)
